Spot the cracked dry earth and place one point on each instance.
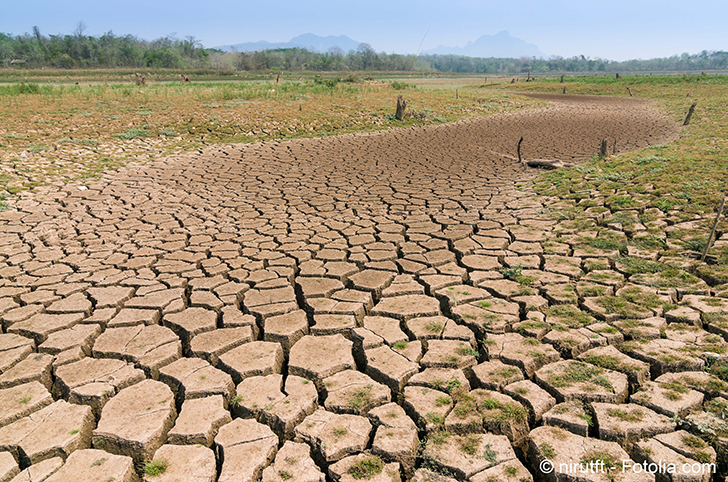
(339, 309)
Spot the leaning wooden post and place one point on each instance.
(690, 114)
(603, 149)
(712, 232)
(630, 92)
(564, 90)
(401, 105)
(518, 149)
(562, 80)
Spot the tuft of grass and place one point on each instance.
(155, 467)
(133, 133)
(605, 460)
(469, 444)
(513, 272)
(490, 455)
(547, 450)
(631, 416)
(579, 372)
(366, 468)
(361, 398)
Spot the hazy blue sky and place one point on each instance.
(618, 29)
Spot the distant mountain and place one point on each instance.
(307, 41)
(500, 45)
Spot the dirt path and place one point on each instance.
(227, 276)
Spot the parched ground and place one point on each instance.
(362, 306)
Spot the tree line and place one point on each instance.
(106, 51)
(78, 50)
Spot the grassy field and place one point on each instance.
(681, 181)
(689, 174)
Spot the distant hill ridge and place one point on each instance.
(500, 45)
(307, 41)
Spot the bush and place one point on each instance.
(133, 133)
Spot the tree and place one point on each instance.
(368, 56)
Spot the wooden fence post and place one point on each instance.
(690, 114)
(518, 149)
(603, 149)
(401, 105)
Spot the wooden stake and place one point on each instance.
(401, 106)
(518, 149)
(712, 231)
(562, 80)
(564, 90)
(630, 92)
(690, 114)
(457, 96)
(603, 149)
(614, 147)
